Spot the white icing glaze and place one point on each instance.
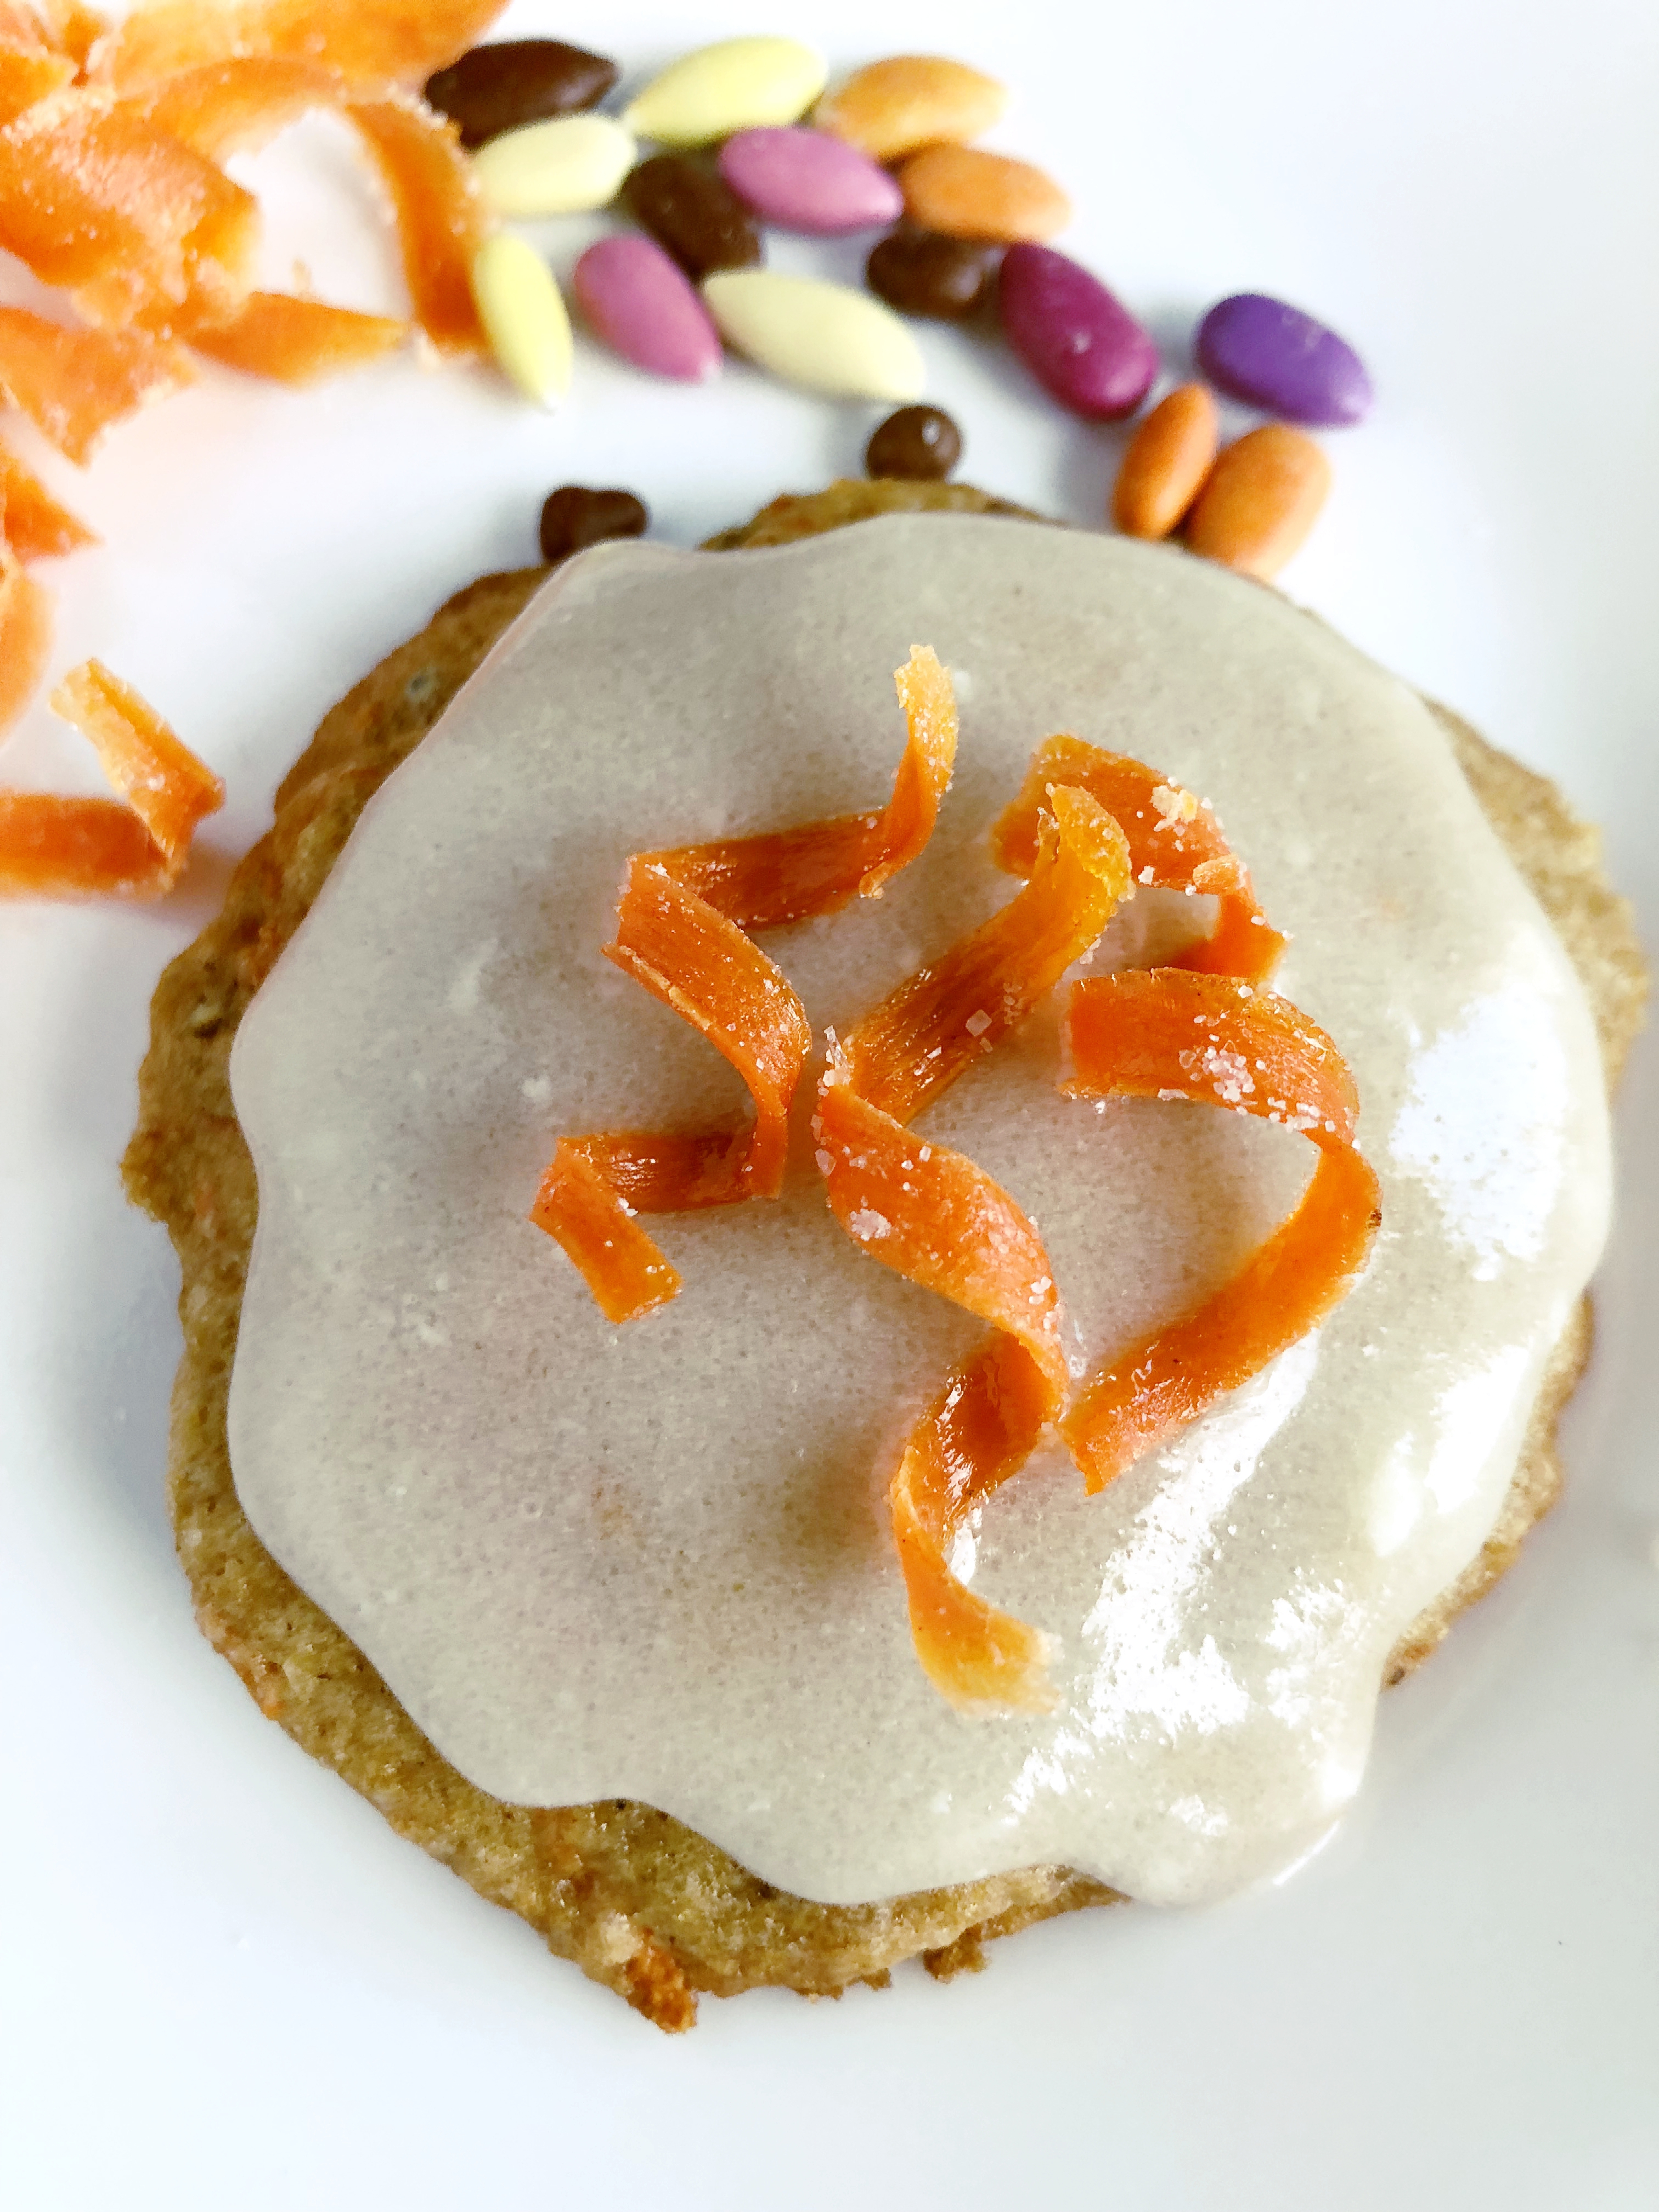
(653, 1562)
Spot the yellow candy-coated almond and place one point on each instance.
(523, 317)
(1262, 498)
(826, 336)
(896, 106)
(1168, 459)
(737, 84)
(968, 193)
(561, 166)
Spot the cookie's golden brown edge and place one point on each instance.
(637, 1899)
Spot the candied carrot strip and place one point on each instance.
(74, 384)
(1175, 843)
(66, 848)
(35, 524)
(681, 930)
(1163, 1033)
(372, 42)
(123, 217)
(24, 635)
(440, 215)
(931, 1215)
(760, 883)
(294, 341)
(161, 781)
(626, 1273)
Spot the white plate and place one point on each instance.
(229, 1984)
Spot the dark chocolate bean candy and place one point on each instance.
(921, 443)
(496, 88)
(575, 517)
(921, 272)
(694, 213)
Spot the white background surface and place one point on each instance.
(226, 1983)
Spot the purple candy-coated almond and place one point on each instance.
(807, 181)
(641, 302)
(1075, 338)
(1283, 361)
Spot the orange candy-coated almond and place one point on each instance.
(1168, 459)
(1262, 498)
(1175, 844)
(681, 932)
(297, 341)
(1158, 1033)
(74, 384)
(369, 42)
(33, 524)
(968, 193)
(893, 108)
(160, 780)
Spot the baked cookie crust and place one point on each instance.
(640, 1902)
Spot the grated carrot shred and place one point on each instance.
(160, 780)
(236, 104)
(126, 218)
(682, 927)
(74, 384)
(31, 66)
(58, 847)
(372, 42)
(67, 848)
(35, 525)
(931, 1214)
(25, 635)
(1162, 1033)
(295, 341)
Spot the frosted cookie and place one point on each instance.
(638, 1896)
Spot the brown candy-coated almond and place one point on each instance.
(1169, 458)
(1262, 498)
(491, 89)
(895, 106)
(968, 193)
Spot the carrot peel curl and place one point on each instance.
(1163, 1033)
(1174, 843)
(681, 931)
(931, 1214)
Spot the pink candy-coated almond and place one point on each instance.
(807, 181)
(1075, 338)
(639, 301)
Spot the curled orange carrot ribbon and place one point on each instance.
(1158, 1033)
(682, 927)
(929, 1213)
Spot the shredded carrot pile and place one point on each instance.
(681, 928)
(112, 192)
(53, 847)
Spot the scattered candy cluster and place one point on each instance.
(886, 147)
(112, 193)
